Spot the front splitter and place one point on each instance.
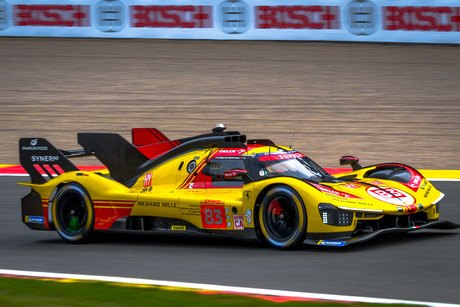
(341, 242)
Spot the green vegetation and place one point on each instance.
(50, 293)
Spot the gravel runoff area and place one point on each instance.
(380, 102)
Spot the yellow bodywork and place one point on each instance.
(171, 194)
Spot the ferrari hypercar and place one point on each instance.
(219, 184)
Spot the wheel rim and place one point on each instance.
(282, 217)
(72, 213)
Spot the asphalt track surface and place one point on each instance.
(420, 266)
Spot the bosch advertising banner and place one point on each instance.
(423, 21)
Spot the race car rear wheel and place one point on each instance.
(73, 213)
(282, 217)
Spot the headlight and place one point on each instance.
(331, 215)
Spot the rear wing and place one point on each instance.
(41, 159)
(123, 159)
(38, 156)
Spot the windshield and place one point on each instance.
(290, 165)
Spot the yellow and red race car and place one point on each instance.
(219, 184)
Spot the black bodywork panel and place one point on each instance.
(31, 205)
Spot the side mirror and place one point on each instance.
(235, 173)
(353, 161)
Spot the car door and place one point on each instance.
(222, 207)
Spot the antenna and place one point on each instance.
(293, 135)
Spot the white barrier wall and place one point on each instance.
(422, 21)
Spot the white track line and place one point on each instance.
(331, 297)
(14, 175)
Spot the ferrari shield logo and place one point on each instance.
(247, 195)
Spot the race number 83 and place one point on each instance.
(213, 217)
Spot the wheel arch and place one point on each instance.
(80, 190)
(257, 205)
(298, 187)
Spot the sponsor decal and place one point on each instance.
(231, 158)
(248, 215)
(148, 180)
(279, 152)
(234, 17)
(5, 15)
(238, 222)
(364, 204)
(213, 216)
(421, 18)
(178, 227)
(334, 192)
(34, 148)
(110, 16)
(351, 186)
(190, 186)
(361, 17)
(376, 182)
(313, 17)
(52, 15)
(230, 174)
(232, 151)
(33, 143)
(332, 243)
(44, 158)
(414, 182)
(423, 186)
(247, 195)
(169, 205)
(427, 191)
(148, 203)
(391, 195)
(212, 202)
(191, 210)
(273, 157)
(171, 16)
(34, 219)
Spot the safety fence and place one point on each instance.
(406, 21)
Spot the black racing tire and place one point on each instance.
(73, 213)
(283, 217)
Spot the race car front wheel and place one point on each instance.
(283, 218)
(73, 213)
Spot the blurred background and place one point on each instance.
(380, 102)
